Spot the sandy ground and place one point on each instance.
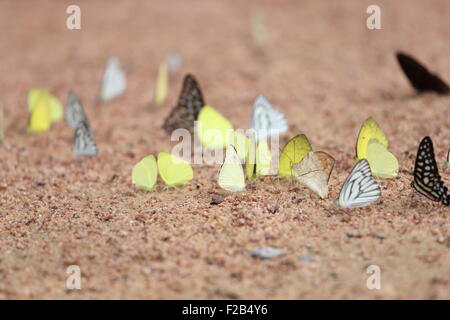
(322, 67)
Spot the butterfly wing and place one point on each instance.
(114, 81)
(250, 162)
(293, 152)
(266, 120)
(74, 111)
(213, 128)
(369, 130)
(419, 76)
(189, 105)
(145, 173)
(231, 174)
(327, 162)
(174, 171)
(83, 144)
(359, 189)
(427, 180)
(310, 173)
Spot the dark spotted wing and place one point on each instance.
(419, 76)
(427, 180)
(189, 105)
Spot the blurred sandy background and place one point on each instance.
(321, 66)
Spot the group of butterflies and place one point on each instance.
(46, 109)
(297, 159)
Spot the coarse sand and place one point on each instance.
(321, 66)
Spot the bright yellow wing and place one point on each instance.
(382, 163)
(369, 130)
(173, 170)
(161, 86)
(144, 173)
(213, 128)
(231, 174)
(263, 158)
(40, 119)
(310, 173)
(250, 162)
(293, 152)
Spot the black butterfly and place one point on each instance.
(419, 76)
(427, 180)
(189, 105)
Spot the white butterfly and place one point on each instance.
(74, 111)
(114, 81)
(231, 174)
(266, 120)
(83, 144)
(359, 189)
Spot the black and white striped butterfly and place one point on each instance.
(266, 120)
(359, 189)
(189, 105)
(427, 180)
(74, 111)
(83, 144)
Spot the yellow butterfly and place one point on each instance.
(173, 170)
(231, 174)
(213, 128)
(240, 142)
(259, 159)
(293, 152)
(145, 173)
(161, 86)
(40, 119)
(53, 103)
(372, 145)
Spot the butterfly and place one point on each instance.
(231, 174)
(161, 86)
(54, 105)
(293, 152)
(419, 76)
(372, 145)
(145, 173)
(259, 158)
(447, 163)
(114, 81)
(427, 180)
(359, 189)
(173, 61)
(314, 172)
(173, 170)
(266, 120)
(74, 111)
(214, 130)
(189, 105)
(40, 119)
(83, 144)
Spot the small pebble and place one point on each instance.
(273, 209)
(305, 258)
(266, 253)
(216, 200)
